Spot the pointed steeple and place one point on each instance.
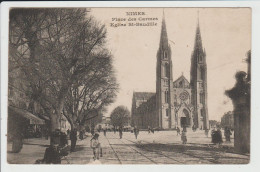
(164, 37)
(198, 41)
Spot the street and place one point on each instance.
(163, 147)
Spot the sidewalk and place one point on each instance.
(32, 150)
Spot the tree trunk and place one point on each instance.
(55, 122)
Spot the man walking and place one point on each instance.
(120, 132)
(136, 132)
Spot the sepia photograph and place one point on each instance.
(128, 85)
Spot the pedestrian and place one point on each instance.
(213, 136)
(184, 136)
(216, 136)
(96, 146)
(136, 132)
(52, 155)
(92, 131)
(178, 131)
(227, 134)
(184, 128)
(152, 130)
(81, 135)
(219, 136)
(149, 129)
(207, 132)
(114, 130)
(105, 131)
(73, 138)
(120, 132)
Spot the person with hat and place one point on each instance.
(96, 146)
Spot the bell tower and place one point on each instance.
(198, 81)
(164, 83)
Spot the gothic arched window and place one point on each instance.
(201, 98)
(200, 58)
(201, 73)
(166, 96)
(165, 55)
(166, 70)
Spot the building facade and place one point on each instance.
(227, 120)
(176, 103)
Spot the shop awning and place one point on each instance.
(46, 118)
(33, 119)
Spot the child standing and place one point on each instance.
(95, 145)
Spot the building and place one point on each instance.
(175, 103)
(227, 120)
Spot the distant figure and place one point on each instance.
(136, 132)
(105, 131)
(219, 136)
(92, 131)
(184, 129)
(81, 134)
(149, 129)
(227, 134)
(120, 132)
(178, 131)
(73, 138)
(207, 132)
(152, 130)
(184, 136)
(216, 136)
(96, 146)
(114, 130)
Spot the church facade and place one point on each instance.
(176, 103)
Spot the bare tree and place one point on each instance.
(59, 51)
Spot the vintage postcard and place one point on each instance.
(129, 85)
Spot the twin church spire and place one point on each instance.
(166, 95)
(164, 37)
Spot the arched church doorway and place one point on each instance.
(185, 118)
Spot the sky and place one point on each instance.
(226, 37)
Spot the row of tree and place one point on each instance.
(64, 62)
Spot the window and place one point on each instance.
(201, 113)
(200, 58)
(165, 55)
(181, 84)
(201, 98)
(166, 96)
(167, 112)
(201, 73)
(166, 70)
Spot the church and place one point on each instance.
(179, 103)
